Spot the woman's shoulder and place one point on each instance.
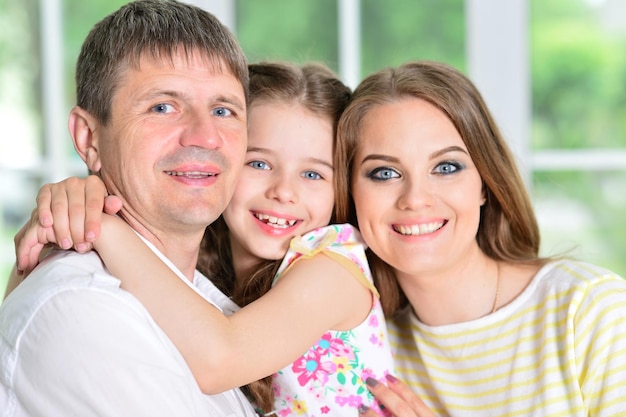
(578, 272)
(577, 280)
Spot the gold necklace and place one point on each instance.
(495, 301)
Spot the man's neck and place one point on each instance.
(180, 249)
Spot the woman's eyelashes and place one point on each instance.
(448, 167)
(386, 173)
(383, 173)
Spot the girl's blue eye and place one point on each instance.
(163, 108)
(312, 175)
(447, 167)
(259, 165)
(222, 112)
(383, 174)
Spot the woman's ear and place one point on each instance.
(82, 126)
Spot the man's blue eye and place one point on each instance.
(163, 108)
(222, 112)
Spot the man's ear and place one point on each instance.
(82, 127)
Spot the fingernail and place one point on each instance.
(363, 409)
(371, 382)
(91, 236)
(46, 221)
(391, 378)
(19, 271)
(82, 247)
(66, 244)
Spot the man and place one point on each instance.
(161, 116)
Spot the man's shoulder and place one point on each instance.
(59, 273)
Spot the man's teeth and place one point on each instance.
(418, 229)
(190, 174)
(275, 221)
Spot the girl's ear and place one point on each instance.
(82, 126)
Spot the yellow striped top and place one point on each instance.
(558, 349)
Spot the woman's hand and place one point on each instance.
(397, 398)
(68, 214)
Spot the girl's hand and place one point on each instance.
(68, 214)
(397, 398)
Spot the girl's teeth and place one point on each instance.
(275, 220)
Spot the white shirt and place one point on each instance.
(72, 343)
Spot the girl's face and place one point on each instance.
(286, 186)
(416, 190)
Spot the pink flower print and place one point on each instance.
(367, 373)
(277, 389)
(333, 346)
(284, 412)
(373, 321)
(374, 340)
(325, 409)
(344, 234)
(339, 348)
(315, 392)
(310, 367)
(342, 391)
(323, 345)
(350, 400)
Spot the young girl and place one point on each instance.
(319, 300)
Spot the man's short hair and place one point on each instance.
(155, 29)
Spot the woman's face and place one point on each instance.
(416, 189)
(286, 186)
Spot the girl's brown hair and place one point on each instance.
(317, 88)
(508, 229)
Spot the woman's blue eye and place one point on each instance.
(383, 174)
(258, 165)
(222, 112)
(163, 108)
(312, 175)
(447, 167)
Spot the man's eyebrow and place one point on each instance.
(154, 93)
(233, 101)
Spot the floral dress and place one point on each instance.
(329, 379)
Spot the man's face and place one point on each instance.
(175, 143)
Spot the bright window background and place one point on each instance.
(575, 136)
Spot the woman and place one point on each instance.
(481, 324)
